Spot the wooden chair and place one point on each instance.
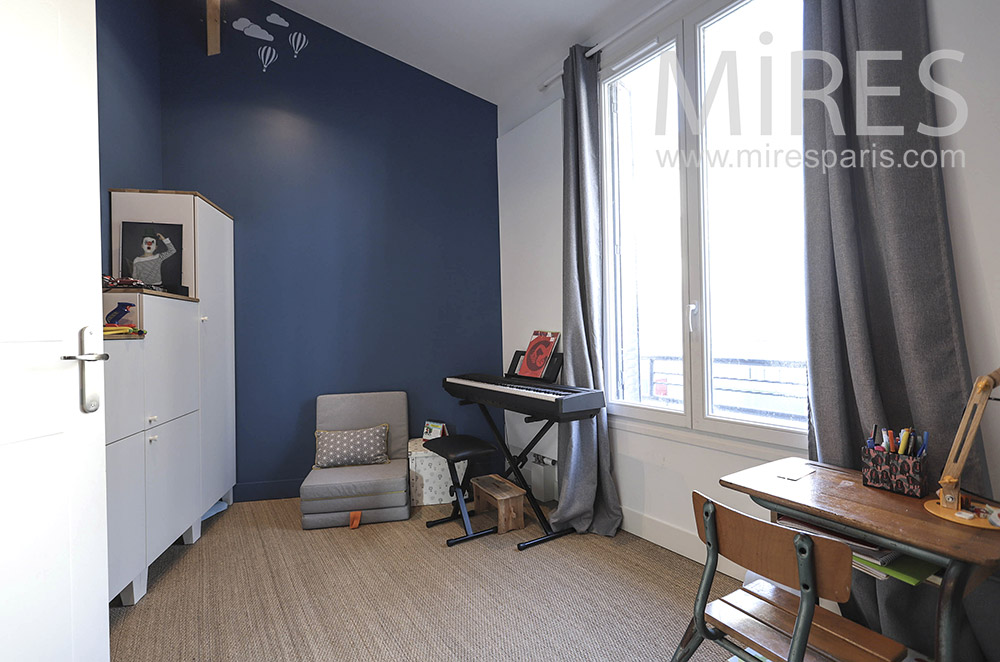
(770, 620)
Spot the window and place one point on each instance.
(704, 203)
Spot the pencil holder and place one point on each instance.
(901, 474)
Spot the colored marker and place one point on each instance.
(904, 441)
(923, 448)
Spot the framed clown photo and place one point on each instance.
(153, 253)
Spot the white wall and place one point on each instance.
(529, 162)
(973, 194)
(658, 467)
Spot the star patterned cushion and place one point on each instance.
(344, 448)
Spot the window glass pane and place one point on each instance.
(645, 206)
(753, 218)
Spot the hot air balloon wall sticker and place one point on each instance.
(297, 41)
(267, 56)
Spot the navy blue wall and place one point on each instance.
(128, 94)
(367, 230)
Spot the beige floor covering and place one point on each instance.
(258, 587)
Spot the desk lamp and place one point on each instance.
(948, 502)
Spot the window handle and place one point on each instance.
(692, 311)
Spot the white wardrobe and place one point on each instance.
(170, 397)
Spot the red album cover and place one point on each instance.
(539, 351)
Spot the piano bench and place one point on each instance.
(460, 447)
(505, 496)
(457, 448)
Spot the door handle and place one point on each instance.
(90, 390)
(86, 357)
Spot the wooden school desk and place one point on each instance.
(836, 499)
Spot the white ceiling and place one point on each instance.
(491, 49)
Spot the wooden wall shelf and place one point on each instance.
(155, 293)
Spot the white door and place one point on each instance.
(218, 362)
(53, 536)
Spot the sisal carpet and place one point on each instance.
(257, 587)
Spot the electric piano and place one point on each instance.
(531, 397)
(540, 400)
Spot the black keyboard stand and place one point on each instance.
(522, 459)
(514, 465)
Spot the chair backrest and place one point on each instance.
(354, 411)
(769, 550)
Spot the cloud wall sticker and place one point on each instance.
(251, 29)
(258, 32)
(277, 20)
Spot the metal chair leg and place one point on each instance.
(455, 489)
(689, 644)
(455, 514)
(469, 534)
(951, 610)
(460, 511)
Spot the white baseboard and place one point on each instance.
(674, 538)
(687, 543)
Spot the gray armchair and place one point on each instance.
(380, 491)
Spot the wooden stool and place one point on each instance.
(507, 497)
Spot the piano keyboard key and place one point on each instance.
(549, 395)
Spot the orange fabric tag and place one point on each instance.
(355, 519)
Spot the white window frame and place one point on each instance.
(681, 27)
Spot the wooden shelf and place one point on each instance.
(155, 293)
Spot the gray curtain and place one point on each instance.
(886, 343)
(588, 496)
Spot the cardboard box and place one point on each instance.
(429, 477)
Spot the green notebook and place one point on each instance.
(905, 569)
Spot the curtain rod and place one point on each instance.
(610, 40)
(631, 26)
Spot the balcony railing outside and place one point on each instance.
(753, 390)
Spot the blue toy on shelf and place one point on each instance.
(119, 312)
